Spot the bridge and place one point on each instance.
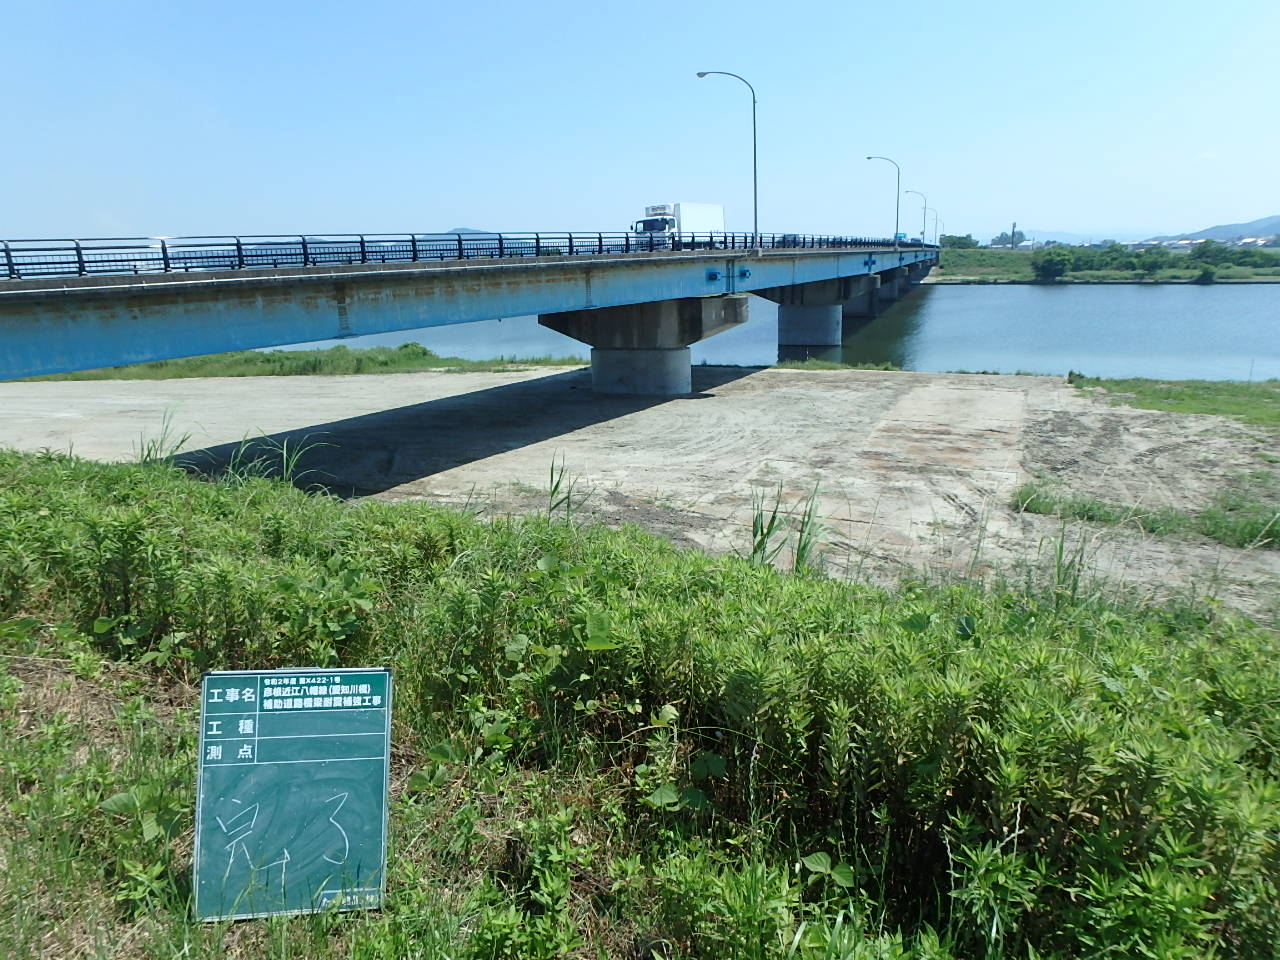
(638, 300)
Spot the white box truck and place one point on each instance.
(663, 220)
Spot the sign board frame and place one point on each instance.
(295, 757)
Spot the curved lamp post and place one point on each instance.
(897, 197)
(924, 209)
(755, 189)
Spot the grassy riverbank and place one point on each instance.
(333, 361)
(1256, 403)
(1243, 513)
(1014, 266)
(608, 747)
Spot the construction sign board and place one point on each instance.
(291, 799)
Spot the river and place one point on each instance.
(1167, 331)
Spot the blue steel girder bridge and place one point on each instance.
(637, 299)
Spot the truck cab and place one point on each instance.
(659, 225)
(654, 225)
(695, 223)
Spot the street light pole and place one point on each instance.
(897, 198)
(924, 207)
(935, 225)
(755, 182)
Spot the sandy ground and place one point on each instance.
(915, 472)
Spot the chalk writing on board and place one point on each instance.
(346, 842)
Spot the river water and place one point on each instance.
(1168, 331)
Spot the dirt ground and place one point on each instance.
(914, 471)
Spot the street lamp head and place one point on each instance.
(702, 73)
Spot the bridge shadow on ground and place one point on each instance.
(374, 452)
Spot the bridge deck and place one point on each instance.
(50, 325)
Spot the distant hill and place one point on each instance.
(1266, 227)
(1059, 236)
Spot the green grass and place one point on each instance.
(1171, 274)
(1246, 514)
(1255, 403)
(1011, 266)
(986, 264)
(666, 754)
(813, 363)
(334, 361)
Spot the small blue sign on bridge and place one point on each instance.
(291, 803)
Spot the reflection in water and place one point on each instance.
(886, 338)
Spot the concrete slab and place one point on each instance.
(915, 472)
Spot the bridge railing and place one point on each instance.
(24, 259)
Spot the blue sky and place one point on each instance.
(1099, 118)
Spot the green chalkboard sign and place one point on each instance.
(291, 804)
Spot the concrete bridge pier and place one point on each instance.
(812, 314)
(893, 283)
(918, 271)
(643, 348)
(866, 299)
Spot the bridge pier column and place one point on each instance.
(811, 314)
(803, 325)
(866, 302)
(893, 283)
(918, 271)
(643, 348)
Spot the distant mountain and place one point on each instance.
(467, 230)
(1266, 227)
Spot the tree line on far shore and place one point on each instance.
(1207, 257)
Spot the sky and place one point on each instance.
(1103, 118)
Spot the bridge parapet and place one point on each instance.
(104, 256)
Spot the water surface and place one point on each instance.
(1174, 331)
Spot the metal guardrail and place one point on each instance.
(25, 259)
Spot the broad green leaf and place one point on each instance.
(666, 716)
(598, 632)
(707, 765)
(917, 622)
(818, 862)
(549, 563)
(693, 798)
(103, 624)
(666, 796)
(120, 803)
(842, 874)
(424, 780)
(442, 753)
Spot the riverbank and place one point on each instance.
(1082, 280)
(914, 472)
(607, 747)
(982, 265)
(331, 361)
